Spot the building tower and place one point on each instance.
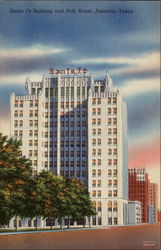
(139, 189)
(77, 127)
(153, 198)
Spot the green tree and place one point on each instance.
(53, 196)
(15, 172)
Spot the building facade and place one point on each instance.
(153, 198)
(77, 127)
(134, 212)
(139, 189)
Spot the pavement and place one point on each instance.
(120, 237)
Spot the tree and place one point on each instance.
(53, 198)
(78, 203)
(15, 172)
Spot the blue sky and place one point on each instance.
(127, 45)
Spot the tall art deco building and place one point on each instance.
(77, 127)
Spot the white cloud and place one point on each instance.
(141, 59)
(138, 86)
(19, 79)
(33, 51)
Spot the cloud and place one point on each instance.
(151, 58)
(37, 50)
(135, 87)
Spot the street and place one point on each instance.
(122, 237)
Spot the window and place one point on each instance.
(115, 172)
(93, 162)
(114, 100)
(93, 111)
(93, 183)
(16, 103)
(115, 110)
(78, 91)
(109, 193)
(99, 162)
(99, 221)
(109, 110)
(109, 183)
(99, 193)
(99, 183)
(98, 121)
(109, 121)
(96, 88)
(67, 91)
(109, 141)
(94, 193)
(16, 113)
(93, 141)
(109, 151)
(31, 113)
(35, 132)
(94, 205)
(115, 131)
(115, 193)
(72, 91)
(109, 131)
(114, 120)
(93, 131)
(30, 143)
(21, 103)
(94, 101)
(46, 92)
(114, 162)
(115, 221)
(35, 143)
(99, 172)
(109, 100)
(62, 91)
(99, 141)
(115, 183)
(109, 162)
(99, 151)
(36, 123)
(30, 152)
(93, 172)
(99, 131)
(115, 141)
(93, 151)
(99, 101)
(36, 112)
(98, 111)
(83, 91)
(115, 206)
(36, 103)
(30, 133)
(109, 172)
(109, 205)
(16, 123)
(31, 103)
(93, 121)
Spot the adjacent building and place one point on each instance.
(139, 190)
(153, 198)
(134, 212)
(76, 126)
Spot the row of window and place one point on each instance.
(110, 193)
(110, 205)
(72, 113)
(98, 111)
(99, 151)
(99, 162)
(110, 172)
(98, 141)
(98, 131)
(69, 91)
(109, 101)
(73, 133)
(98, 121)
(98, 183)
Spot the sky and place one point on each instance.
(121, 37)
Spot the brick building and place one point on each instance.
(139, 189)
